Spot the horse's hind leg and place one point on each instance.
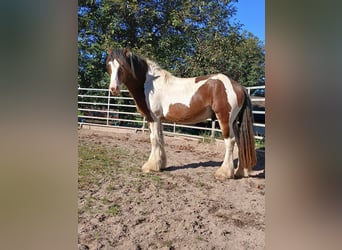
(157, 159)
(241, 172)
(227, 168)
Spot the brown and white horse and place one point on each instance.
(161, 96)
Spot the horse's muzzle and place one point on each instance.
(115, 90)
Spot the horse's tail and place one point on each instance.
(244, 134)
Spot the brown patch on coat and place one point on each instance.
(221, 106)
(181, 113)
(210, 97)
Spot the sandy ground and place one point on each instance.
(182, 207)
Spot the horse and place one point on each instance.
(160, 96)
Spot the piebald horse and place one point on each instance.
(161, 96)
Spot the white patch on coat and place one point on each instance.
(114, 81)
(162, 89)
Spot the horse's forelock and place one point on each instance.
(123, 59)
(130, 63)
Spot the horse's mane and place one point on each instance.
(155, 69)
(128, 60)
(132, 62)
(153, 66)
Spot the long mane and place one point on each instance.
(156, 70)
(127, 60)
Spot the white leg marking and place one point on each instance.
(227, 168)
(157, 159)
(242, 172)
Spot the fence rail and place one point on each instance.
(98, 107)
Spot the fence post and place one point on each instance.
(212, 129)
(143, 126)
(108, 107)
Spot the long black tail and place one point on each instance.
(244, 134)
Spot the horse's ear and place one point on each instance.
(127, 52)
(109, 50)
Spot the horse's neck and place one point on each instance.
(136, 89)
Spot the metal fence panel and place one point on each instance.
(99, 107)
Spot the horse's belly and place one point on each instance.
(181, 113)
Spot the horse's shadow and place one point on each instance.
(194, 165)
(258, 167)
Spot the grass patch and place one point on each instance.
(168, 244)
(105, 201)
(206, 137)
(111, 188)
(102, 167)
(157, 180)
(98, 162)
(92, 163)
(114, 210)
(87, 206)
(260, 143)
(201, 239)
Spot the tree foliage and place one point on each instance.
(186, 37)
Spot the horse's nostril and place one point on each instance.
(114, 90)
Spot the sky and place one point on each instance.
(251, 13)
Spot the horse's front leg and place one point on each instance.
(157, 159)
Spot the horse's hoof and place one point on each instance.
(223, 174)
(220, 177)
(150, 167)
(242, 173)
(146, 170)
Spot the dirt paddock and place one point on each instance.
(182, 207)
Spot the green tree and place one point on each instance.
(240, 56)
(186, 37)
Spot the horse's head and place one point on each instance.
(120, 67)
(115, 64)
